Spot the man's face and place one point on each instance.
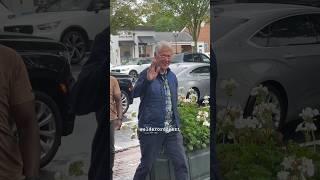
(164, 58)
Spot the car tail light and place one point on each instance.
(63, 88)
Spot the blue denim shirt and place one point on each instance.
(152, 107)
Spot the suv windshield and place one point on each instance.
(66, 5)
(224, 25)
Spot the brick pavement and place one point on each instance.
(125, 163)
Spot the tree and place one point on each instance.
(192, 14)
(125, 14)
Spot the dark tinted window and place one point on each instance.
(295, 30)
(188, 58)
(315, 18)
(201, 70)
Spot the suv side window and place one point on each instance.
(201, 70)
(205, 58)
(315, 18)
(188, 58)
(294, 30)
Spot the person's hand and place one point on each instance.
(153, 70)
(118, 123)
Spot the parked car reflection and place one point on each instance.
(275, 45)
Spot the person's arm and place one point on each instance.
(24, 116)
(117, 99)
(22, 111)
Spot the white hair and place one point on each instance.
(162, 45)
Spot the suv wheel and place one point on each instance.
(124, 101)
(76, 44)
(49, 121)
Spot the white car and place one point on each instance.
(5, 14)
(72, 22)
(133, 67)
(194, 76)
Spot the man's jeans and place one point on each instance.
(98, 164)
(152, 144)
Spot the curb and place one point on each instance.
(125, 149)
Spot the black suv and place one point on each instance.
(48, 66)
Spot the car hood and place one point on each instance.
(124, 66)
(41, 18)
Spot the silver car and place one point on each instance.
(275, 45)
(194, 76)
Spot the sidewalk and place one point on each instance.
(126, 163)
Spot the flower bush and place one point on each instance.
(195, 122)
(251, 148)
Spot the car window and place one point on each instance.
(192, 58)
(65, 5)
(295, 30)
(205, 58)
(223, 25)
(201, 70)
(177, 58)
(261, 38)
(188, 58)
(315, 18)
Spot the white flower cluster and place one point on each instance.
(203, 116)
(206, 100)
(250, 122)
(292, 166)
(308, 115)
(264, 109)
(260, 90)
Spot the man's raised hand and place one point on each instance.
(153, 71)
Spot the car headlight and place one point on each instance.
(48, 26)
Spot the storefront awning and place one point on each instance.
(126, 43)
(146, 40)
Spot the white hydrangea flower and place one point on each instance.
(206, 97)
(287, 162)
(283, 175)
(307, 167)
(259, 90)
(206, 123)
(206, 114)
(308, 113)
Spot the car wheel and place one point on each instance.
(197, 94)
(124, 101)
(133, 74)
(76, 43)
(274, 97)
(49, 121)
